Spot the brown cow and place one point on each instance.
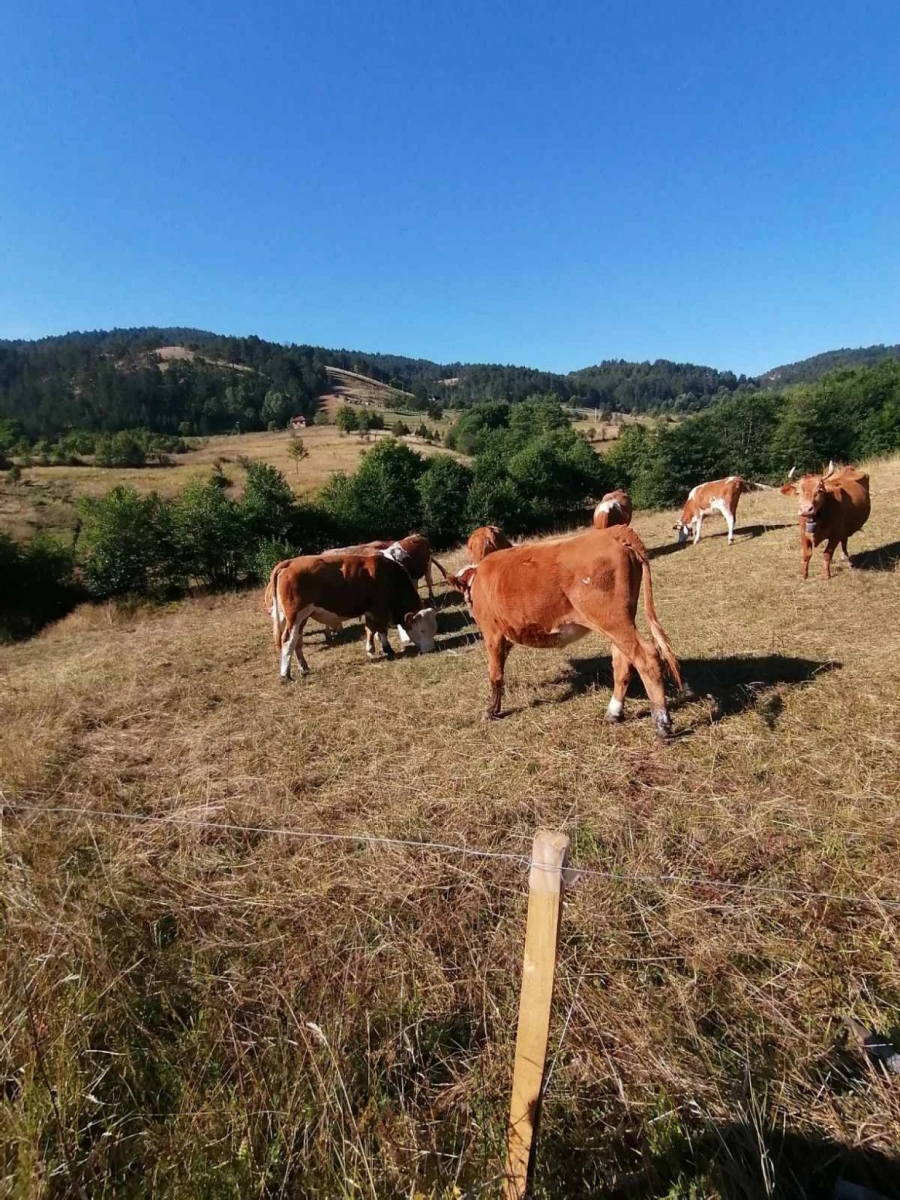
(549, 594)
(484, 541)
(613, 509)
(334, 589)
(412, 552)
(721, 495)
(831, 507)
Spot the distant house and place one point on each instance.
(297, 423)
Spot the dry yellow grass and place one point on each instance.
(45, 497)
(199, 1011)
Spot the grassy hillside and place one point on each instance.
(195, 1010)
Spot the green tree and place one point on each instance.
(125, 543)
(347, 419)
(297, 451)
(444, 491)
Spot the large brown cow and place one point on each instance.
(720, 495)
(613, 509)
(484, 541)
(412, 552)
(334, 589)
(831, 508)
(552, 593)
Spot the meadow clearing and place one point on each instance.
(206, 1005)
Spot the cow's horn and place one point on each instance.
(830, 470)
(791, 472)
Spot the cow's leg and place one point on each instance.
(298, 650)
(698, 525)
(622, 671)
(729, 521)
(826, 557)
(643, 656)
(294, 622)
(376, 624)
(805, 554)
(428, 584)
(845, 555)
(498, 650)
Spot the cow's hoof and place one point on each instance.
(663, 723)
(613, 718)
(285, 679)
(490, 715)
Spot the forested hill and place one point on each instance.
(190, 381)
(808, 370)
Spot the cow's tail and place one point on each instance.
(274, 604)
(752, 485)
(439, 567)
(663, 645)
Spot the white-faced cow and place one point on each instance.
(484, 541)
(831, 508)
(720, 495)
(613, 509)
(549, 594)
(333, 590)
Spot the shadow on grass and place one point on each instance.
(730, 685)
(747, 532)
(732, 1159)
(884, 558)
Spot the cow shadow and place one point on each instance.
(883, 558)
(735, 1159)
(460, 625)
(730, 686)
(746, 531)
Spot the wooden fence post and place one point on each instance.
(548, 858)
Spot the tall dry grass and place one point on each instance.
(197, 1011)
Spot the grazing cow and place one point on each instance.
(721, 495)
(413, 553)
(484, 541)
(613, 509)
(831, 507)
(334, 589)
(548, 594)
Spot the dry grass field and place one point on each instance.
(196, 1003)
(44, 499)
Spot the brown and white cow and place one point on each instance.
(412, 552)
(720, 495)
(613, 509)
(484, 541)
(831, 508)
(549, 594)
(333, 589)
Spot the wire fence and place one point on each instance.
(574, 874)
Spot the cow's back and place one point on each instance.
(850, 489)
(533, 584)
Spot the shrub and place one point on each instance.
(119, 450)
(125, 544)
(36, 584)
(382, 499)
(444, 489)
(212, 546)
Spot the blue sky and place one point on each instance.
(549, 184)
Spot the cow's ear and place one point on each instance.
(408, 619)
(788, 489)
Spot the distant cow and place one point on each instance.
(484, 541)
(721, 495)
(334, 589)
(548, 594)
(613, 509)
(831, 508)
(413, 553)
